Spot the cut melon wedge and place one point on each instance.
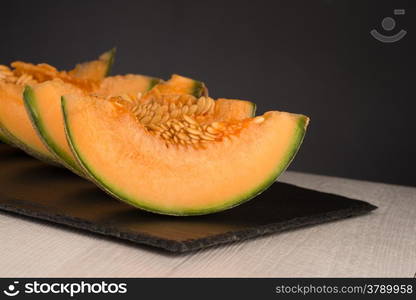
(175, 178)
(95, 70)
(14, 120)
(16, 125)
(43, 102)
(180, 85)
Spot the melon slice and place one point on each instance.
(95, 70)
(16, 125)
(178, 84)
(43, 102)
(187, 166)
(14, 120)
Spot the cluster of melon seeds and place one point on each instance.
(179, 119)
(9, 76)
(25, 73)
(187, 131)
(151, 112)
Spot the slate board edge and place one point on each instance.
(195, 244)
(271, 228)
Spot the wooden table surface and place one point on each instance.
(379, 244)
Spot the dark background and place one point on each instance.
(310, 57)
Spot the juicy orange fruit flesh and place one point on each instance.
(13, 115)
(139, 168)
(14, 118)
(47, 102)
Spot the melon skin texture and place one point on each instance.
(15, 122)
(151, 177)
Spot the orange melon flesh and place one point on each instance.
(180, 85)
(43, 102)
(138, 168)
(129, 84)
(240, 109)
(14, 120)
(16, 123)
(95, 70)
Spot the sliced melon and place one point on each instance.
(16, 125)
(95, 70)
(179, 85)
(129, 85)
(14, 120)
(187, 166)
(43, 102)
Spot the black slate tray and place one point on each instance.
(34, 189)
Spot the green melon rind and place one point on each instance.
(280, 168)
(253, 109)
(14, 141)
(30, 101)
(283, 165)
(154, 82)
(199, 89)
(3, 138)
(110, 61)
(8, 138)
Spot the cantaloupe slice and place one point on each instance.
(184, 166)
(95, 70)
(178, 84)
(14, 120)
(16, 125)
(43, 102)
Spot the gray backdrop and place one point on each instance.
(311, 57)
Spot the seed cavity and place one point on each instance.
(179, 119)
(12, 76)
